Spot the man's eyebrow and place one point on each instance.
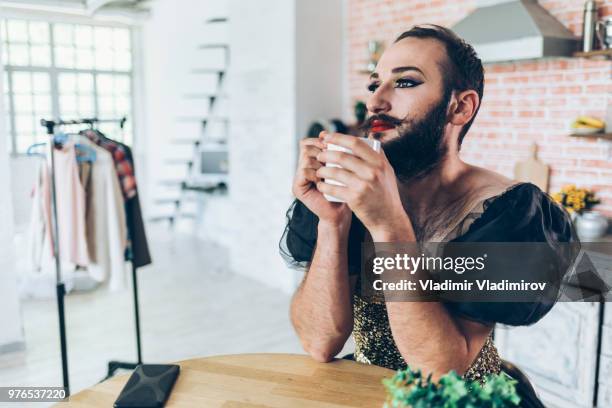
(399, 70)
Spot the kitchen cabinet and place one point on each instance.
(559, 354)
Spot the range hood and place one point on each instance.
(509, 30)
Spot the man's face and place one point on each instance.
(408, 105)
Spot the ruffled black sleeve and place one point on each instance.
(522, 214)
(298, 241)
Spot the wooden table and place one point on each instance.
(257, 381)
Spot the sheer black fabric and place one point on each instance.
(299, 238)
(522, 213)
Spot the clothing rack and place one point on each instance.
(113, 366)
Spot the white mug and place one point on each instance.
(374, 144)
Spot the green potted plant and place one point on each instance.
(408, 388)
(361, 112)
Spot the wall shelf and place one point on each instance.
(605, 54)
(607, 136)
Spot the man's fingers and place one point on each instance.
(309, 175)
(336, 191)
(345, 160)
(338, 174)
(310, 151)
(312, 141)
(310, 163)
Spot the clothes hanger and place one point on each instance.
(90, 153)
(61, 138)
(31, 150)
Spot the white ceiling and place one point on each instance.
(88, 6)
(123, 4)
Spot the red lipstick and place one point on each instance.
(380, 126)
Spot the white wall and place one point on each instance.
(286, 69)
(23, 177)
(168, 36)
(11, 334)
(263, 140)
(170, 40)
(319, 61)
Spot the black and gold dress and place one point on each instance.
(520, 213)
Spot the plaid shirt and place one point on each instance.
(124, 167)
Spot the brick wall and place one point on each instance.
(524, 102)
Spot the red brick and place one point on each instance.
(531, 114)
(559, 64)
(524, 101)
(596, 89)
(501, 114)
(568, 115)
(559, 90)
(599, 164)
(497, 68)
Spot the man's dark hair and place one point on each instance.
(463, 69)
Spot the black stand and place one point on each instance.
(60, 287)
(59, 284)
(116, 365)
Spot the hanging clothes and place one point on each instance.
(39, 282)
(138, 247)
(124, 167)
(70, 198)
(99, 216)
(85, 175)
(39, 232)
(107, 229)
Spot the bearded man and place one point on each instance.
(425, 94)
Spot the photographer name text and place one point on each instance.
(452, 286)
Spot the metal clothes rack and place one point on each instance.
(113, 366)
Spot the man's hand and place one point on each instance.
(304, 186)
(321, 309)
(371, 187)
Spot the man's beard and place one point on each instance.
(419, 147)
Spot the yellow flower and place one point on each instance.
(575, 199)
(568, 188)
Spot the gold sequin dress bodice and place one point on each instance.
(374, 342)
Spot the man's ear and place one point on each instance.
(463, 107)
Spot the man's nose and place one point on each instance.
(378, 102)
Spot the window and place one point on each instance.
(67, 70)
